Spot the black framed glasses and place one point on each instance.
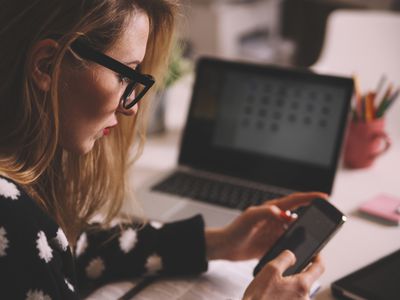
(138, 84)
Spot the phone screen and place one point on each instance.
(307, 235)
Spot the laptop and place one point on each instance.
(253, 133)
(378, 280)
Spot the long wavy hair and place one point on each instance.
(71, 188)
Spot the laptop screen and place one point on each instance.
(279, 117)
(272, 125)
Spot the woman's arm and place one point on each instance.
(176, 248)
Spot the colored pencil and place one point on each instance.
(358, 96)
(369, 107)
(374, 104)
(389, 102)
(383, 103)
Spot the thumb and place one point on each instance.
(281, 263)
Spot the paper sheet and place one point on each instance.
(224, 280)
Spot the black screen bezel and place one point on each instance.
(197, 150)
(328, 211)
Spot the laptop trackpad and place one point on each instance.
(213, 216)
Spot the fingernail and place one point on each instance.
(286, 215)
(275, 209)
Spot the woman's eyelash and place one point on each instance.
(123, 78)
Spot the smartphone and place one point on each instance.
(306, 236)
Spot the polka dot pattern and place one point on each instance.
(61, 240)
(81, 245)
(153, 264)
(69, 285)
(95, 268)
(127, 240)
(34, 239)
(9, 189)
(3, 242)
(37, 295)
(45, 252)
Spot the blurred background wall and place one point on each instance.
(282, 32)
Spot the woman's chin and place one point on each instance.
(79, 149)
(86, 148)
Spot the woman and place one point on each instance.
(72, 105)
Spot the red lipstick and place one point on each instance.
(106, 131)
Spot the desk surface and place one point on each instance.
(359, 242)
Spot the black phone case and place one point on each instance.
(329, 211)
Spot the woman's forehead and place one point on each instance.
(130, 47)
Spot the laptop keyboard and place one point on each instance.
(213, 191)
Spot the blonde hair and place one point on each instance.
(71, 188)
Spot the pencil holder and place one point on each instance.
(365, 142)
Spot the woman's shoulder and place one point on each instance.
(33, 247)
(19, 210)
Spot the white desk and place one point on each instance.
(360, 241)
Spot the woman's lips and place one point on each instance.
(106, 131)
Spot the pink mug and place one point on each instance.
(365, 141)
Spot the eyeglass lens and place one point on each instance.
(133, 93)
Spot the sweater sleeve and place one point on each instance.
(174, 249)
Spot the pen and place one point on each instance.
(373, 104)
(363, 109)
(138, 287)
(381, 82)
(390, 101)
(383, 102)
(358, 96)
(369, 107)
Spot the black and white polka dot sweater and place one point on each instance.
(36, 261)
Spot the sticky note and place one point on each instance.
(385, 207)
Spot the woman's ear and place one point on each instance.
(41, 58)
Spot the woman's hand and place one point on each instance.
(254, 232)
(270, 284)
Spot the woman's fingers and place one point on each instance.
(281, 263)
(255, 214)
(271, 284)
(315, 270)
(297, 199)
(306, 278)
